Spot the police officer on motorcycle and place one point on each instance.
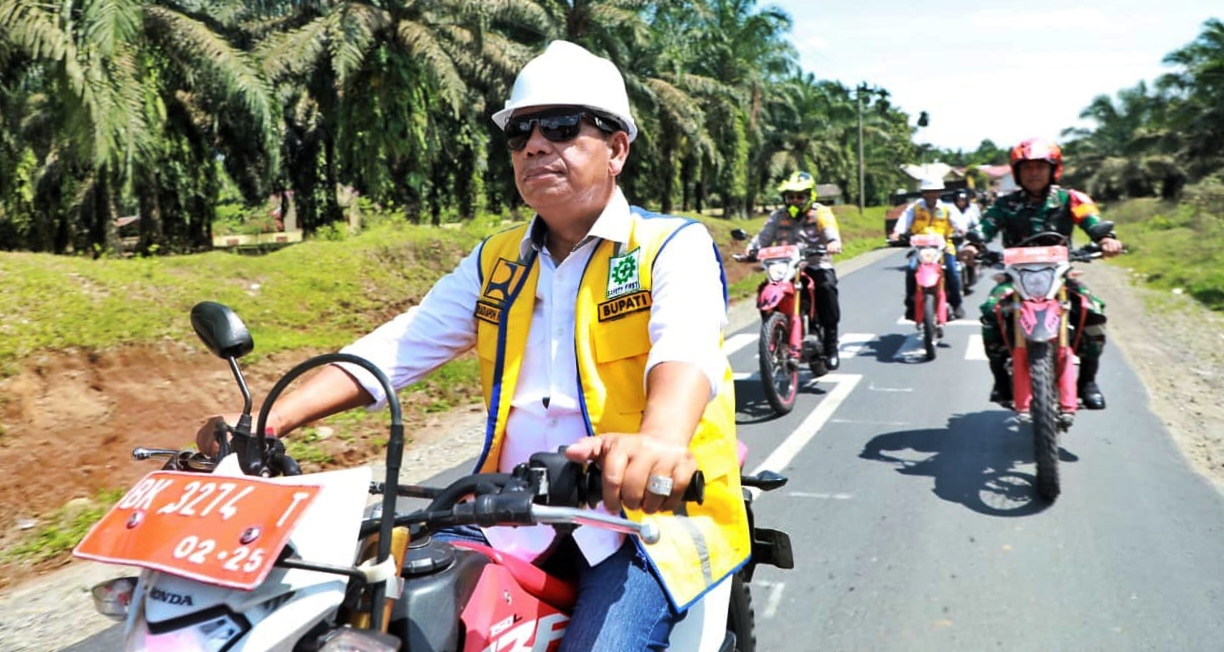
(1038, 205)
(803, 221)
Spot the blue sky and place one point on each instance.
(991, 69)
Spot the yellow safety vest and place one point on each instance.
(937, 221)
(698, 548)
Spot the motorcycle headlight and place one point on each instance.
(776, 271)
(1037, 282)
(212, 634)
(928, 255)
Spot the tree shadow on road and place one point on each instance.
(974, 461)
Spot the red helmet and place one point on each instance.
(1037, 149)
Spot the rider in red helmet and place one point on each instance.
(1038, 205)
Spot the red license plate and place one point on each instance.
(223, 530)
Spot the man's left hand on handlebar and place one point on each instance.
(1110, 247)
(629, 461)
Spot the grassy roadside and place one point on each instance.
(1176, 246)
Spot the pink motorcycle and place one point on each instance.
(930, 299)
(788, 320)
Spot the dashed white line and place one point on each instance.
(808, 494)
(774, 600)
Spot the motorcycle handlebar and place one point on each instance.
(805, 252)
(547, 489)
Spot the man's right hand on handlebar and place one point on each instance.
(206, 439)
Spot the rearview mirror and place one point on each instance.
(221, 330)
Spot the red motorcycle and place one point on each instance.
(1037, 327)
(791, 334)
(931, 298)
(244, 553)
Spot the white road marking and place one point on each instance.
(976, 350)
(782, 456)
(808, 494)
(864, 422)
(871, 387)
(739, 341)
(851, 344)
(912, 348)
(775, 596)
(744, 375)
(955, 322)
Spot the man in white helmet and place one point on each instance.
(598, 326)
(931, 215)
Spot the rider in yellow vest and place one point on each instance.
(598, 327)
(931, 215)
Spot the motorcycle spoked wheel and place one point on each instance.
(929, 325)
(1044, 412)
(741, 617)
(779, 378)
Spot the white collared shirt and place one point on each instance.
(687, 318)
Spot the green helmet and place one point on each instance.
(798, 182)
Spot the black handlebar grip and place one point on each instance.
(695, 492)
(591, 491)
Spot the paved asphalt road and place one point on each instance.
(915, 524)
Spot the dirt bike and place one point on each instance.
(241, 552)
(930, 297)
(1037, 327)
(791, 334)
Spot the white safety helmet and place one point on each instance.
(931, 184)
(569, 75)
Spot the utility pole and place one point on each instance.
(861, 183)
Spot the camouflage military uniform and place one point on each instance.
(1016, 217)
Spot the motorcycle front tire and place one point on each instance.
(1044, 410)
(928, 325)
(779, 379)
(741, 616)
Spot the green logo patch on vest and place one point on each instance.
(623, 275)
(621, 306)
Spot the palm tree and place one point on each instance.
(1129, 152)
(1196, 109)
(366, 87)
(108, 73)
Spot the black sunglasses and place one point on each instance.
(557, 126)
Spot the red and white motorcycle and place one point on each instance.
(787, 303)
(236, 559)
(1036, 322)
(931, 298)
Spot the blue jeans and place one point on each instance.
(621, 605)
